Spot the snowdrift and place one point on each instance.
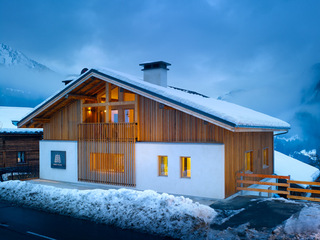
(145, 211)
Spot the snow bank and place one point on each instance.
(299, 171)
(307, 222)
(146, 211)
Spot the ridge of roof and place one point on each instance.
(218, 110)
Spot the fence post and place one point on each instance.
(241, 185)
(288, 192)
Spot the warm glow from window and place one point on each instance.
(185, 167)
(127, 96)
(102, 98)
(106, 162)
(248, 162)
(20, 157)
(114, 94)
(265, 157)
(114, 116)
(163, 165)
(128, 115)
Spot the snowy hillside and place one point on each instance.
(297, 104)
(23, 81)
(10, 57)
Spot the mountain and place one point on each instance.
(10, 58)
(298, 103)
(24, 82)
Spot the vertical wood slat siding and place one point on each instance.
(170, 125)
(63, 124)
(100, 139)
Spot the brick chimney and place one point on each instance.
(155, 72)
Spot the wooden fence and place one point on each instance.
(106, 153)
(21, 172)
(243, 184)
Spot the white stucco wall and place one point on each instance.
(70, 174)
(207, 168)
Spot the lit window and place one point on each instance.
(185, 167)
(114, 116)
(107, 162)
(163, 165)
(265, 157)
(102, 114)
(248, 163)
(114, 94)
(128, 115)
(21, 158)
(128, 96)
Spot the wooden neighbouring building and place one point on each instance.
(18, 147)
(109, 127)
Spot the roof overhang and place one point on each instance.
(93, 73)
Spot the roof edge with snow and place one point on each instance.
(161, 94)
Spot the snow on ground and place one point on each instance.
(299, 171)
(145, 211)
(305, 225)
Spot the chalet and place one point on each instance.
(112, 128)
(18, 147)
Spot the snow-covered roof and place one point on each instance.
(227, 113)
(298, 171)
(232, 113)
(9, 114)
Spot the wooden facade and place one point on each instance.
(12, 143)
(159, 123)
(68, 118)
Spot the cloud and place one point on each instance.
(262, 47)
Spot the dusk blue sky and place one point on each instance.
(262, 50)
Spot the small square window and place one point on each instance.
(21, 157)
(185, 167)
(163, 165)
(265, 157)
(248, 161)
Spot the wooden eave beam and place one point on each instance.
(85, 88)
(243, 129)
(41, 120)
(54, 108)
(78, 96)
(39, 111)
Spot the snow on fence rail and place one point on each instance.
(288, 192)
(146, 211)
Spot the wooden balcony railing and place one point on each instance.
(107, 131)
(106, 153)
